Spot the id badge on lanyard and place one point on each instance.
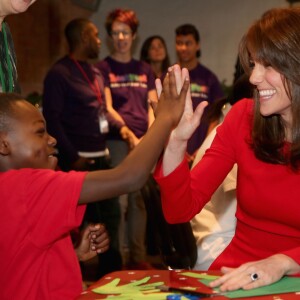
(103, 123)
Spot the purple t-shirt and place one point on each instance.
(71, 108)
(205, 86)
(129, 84)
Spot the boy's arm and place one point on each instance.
(132, 173)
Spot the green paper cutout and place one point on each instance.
(284, 285)
(139, 289)
(200, 275)
(132, 291)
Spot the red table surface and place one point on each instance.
(172, 278)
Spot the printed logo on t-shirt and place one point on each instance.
(128, 80)
(199, 91)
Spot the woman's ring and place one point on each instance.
(254, 276)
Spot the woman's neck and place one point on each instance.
(287, 121)
(288, 134)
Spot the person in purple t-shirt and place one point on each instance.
(129, 84)
(205, 85)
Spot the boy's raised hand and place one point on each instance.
(132, 173)
(171, 97)
(190, 119)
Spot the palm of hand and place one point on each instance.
(185, 127)
(189, 121)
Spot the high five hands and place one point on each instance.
(190, 119)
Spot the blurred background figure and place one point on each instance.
(154, 52)
(74, 107)
(129, 84)
(205, 85)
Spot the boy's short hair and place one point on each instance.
(7, 100)
(187, 29)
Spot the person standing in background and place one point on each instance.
(74, 107)
(154, 52)
(8, 60)
(205, 85)
(129, 84)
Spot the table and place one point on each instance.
(141, 284)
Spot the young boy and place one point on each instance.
(40, 206)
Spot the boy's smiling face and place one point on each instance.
(26, 144)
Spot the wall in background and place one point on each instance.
(221, 25)
(39, 40)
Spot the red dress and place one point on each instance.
(268, 195)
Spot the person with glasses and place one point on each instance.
(129, 84)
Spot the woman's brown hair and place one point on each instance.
(274, 41)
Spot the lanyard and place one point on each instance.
(10, 76)
(93, 85)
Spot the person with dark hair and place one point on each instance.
(8, 60)
(205, 85)
(189, 29)
(262, 137)
(154, 52)
(74, 106)
(129, 84)
(37, 257)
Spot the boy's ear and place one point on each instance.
(4, 144)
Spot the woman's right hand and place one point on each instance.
(190, 120)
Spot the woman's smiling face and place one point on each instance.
(273, 97)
